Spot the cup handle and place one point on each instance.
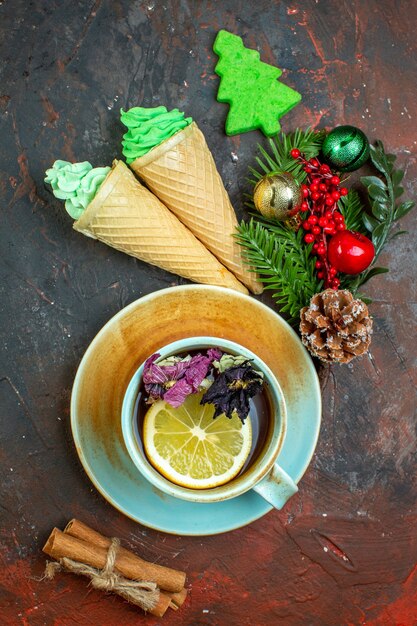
(277, 487)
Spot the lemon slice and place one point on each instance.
(192, 449)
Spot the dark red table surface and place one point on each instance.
(343, 551)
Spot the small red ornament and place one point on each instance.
(350, 252)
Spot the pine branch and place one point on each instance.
(309, 143)
(353, 210)
(283, 263)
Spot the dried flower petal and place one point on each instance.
(156, 392)
(174, 378)
(214, 354)
(176, 371)
(232, 390)
(197, 371)
(229, 360)
(176, 394)
(153, 373)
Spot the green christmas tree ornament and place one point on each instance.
(250, 86)
(346, 148)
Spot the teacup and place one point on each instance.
(264, 475)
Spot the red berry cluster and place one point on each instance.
(321, 194)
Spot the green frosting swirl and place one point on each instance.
(76, 183)
(148, 128)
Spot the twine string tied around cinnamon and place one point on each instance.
(143, 593)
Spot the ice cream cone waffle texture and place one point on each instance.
(181, 171)
(127, 216)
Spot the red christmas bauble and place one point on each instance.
(350, 252)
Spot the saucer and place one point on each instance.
(138, 331)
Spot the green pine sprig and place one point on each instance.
(283, 262)
(352, 209)
(308, 142)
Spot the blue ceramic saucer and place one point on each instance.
(138, 331)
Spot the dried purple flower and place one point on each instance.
(175, 380)
(197, 371)
(232, 390)
(214, 354)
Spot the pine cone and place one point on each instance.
(335, 327)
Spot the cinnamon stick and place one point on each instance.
(178, 599)
(61, 545)
(141, 593)
(161, 608)
(78, 529)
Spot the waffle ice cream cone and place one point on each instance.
(181, 171)
(127, 216)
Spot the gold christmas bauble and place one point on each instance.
(278, 196)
